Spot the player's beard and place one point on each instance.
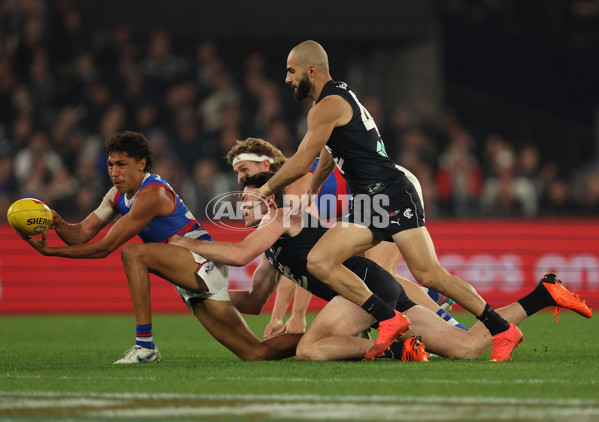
(303, 88)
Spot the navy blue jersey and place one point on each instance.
(289, 255)
(358, 149)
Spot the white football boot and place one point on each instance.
(138, 354)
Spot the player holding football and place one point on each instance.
(287, 242)
(148, 207)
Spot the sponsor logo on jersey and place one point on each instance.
(394, 213)
(374, 187)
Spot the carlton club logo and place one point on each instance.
(226, 210)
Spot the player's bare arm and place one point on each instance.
(149, 203)
(77, 233)
(287, 290)
(240, 253)
(331, 112)
(264, 282)
(326, 165)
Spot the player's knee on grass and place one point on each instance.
(305, 351)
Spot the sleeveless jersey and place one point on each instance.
(358, 149)
(181, 221)
(334, 198)
(289, 255)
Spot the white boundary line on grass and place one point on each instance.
(307, 398)
(321, 380)
(82, 406)
(64, 377)
(359, 411)
(414, 380)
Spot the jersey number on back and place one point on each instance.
(369, 124)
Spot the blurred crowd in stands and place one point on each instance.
(64, 92)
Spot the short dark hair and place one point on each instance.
(132, 144)
(258, 180)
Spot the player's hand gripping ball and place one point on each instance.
(29, 216)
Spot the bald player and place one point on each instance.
(343, 133)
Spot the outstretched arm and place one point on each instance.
(240, 253)
(149, 203)
(77, 233)
(83, 232)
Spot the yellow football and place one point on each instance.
(29, 216)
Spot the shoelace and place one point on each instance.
(556, 312)
(132, 351)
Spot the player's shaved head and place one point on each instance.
(310, 53)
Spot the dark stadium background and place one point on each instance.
(493, 105)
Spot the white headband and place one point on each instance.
(250, 156)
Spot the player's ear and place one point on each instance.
(271, 202)
(141, 164)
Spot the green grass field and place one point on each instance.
(60, 367)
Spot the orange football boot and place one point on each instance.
(563, 297)
(413, 350)
(504, 343)
(389, 330)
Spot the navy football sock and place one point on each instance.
(536, 300)
(493, 321)
(143, 336)
(378, 309)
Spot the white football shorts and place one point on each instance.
(216, 278)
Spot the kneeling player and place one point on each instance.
(143, 203)
(286, 241)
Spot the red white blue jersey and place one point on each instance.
(334, 197)
(181, 221)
